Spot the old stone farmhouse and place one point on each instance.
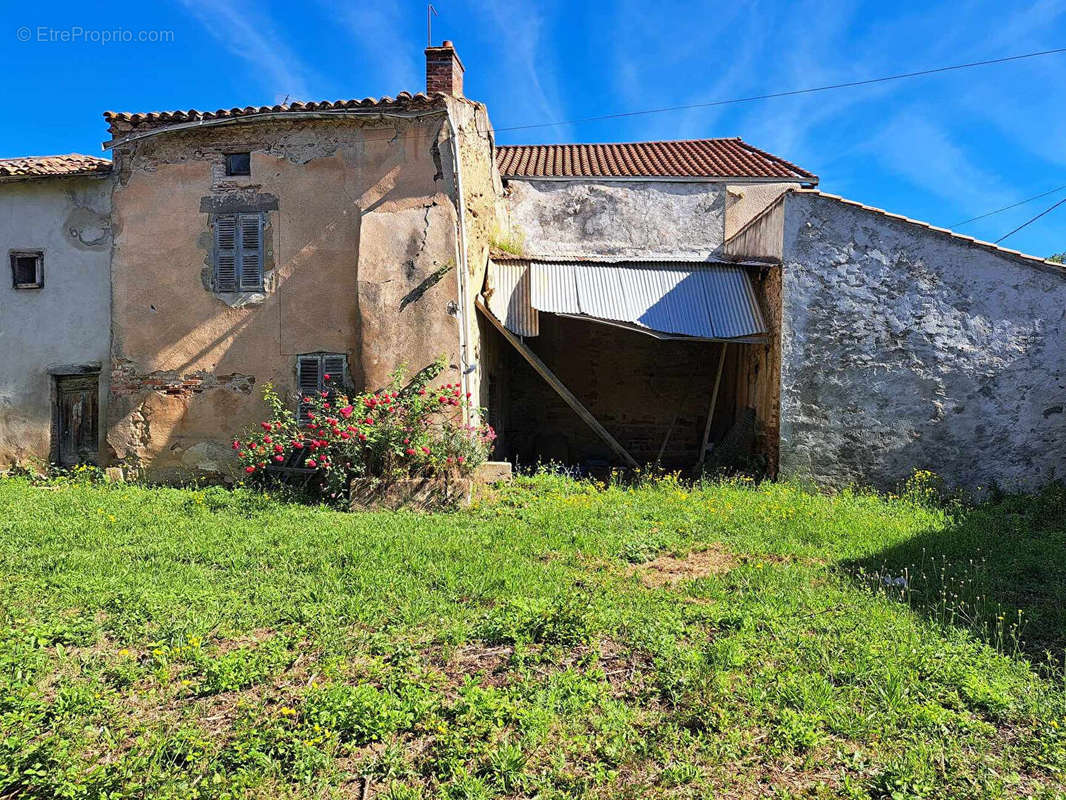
(684, 302)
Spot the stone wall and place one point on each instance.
(63, 324)
(362, 257)
(905, 348)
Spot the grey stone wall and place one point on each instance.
(906, 348)
(623, 219)
(65, 323)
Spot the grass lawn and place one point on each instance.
(563, 640)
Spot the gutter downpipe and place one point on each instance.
(461, 266)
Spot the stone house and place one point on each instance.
(680, 302)
(55, 310)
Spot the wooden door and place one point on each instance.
(77, 425)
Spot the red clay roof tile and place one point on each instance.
(121, 122)
(47, 166)
(694, 158)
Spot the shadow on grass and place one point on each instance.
(998, 570)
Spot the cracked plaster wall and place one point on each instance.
(621, 219)
(904, 348)
(66, 322)
(363, 253)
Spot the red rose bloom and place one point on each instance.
(249, 469)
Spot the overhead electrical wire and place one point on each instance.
(1031, 220)
(1008, 208)
(790, 93)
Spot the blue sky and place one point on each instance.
(941, 149)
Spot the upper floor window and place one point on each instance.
(239, 252)
(238, 163)
(27, 270)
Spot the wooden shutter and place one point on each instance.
(334, 365)
(226, 253)
(251, 231)
(308, 381)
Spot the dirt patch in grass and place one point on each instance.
(669, 570)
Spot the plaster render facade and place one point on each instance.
(61, 326)
(362, 258)
(617, 219)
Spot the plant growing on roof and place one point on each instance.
(407, 429)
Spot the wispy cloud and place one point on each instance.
(524, 54)
(250, 35)
(383, 34)
(927, 155)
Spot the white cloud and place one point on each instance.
(927, 156)
(526, 63)
(251, 36)
(388, 56)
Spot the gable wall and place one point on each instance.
(904, 348)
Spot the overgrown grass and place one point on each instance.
(204, 643)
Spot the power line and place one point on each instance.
(1052, 207)
(790, 93)
(1007, 208)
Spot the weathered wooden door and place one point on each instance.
(77, 427)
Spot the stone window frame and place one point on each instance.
(238, 245)
(38, 256)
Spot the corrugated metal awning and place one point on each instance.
(664, 298)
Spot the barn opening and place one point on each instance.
(650, 351)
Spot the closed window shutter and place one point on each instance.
(226, 253)
(333, 364)
(251, 231)
(308, 378)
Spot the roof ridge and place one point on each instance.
(618, 144)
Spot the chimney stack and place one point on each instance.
(444, 70)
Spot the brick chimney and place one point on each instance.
(444, 70)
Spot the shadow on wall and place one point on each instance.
(983, 568)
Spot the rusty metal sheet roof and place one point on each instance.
(695, 299)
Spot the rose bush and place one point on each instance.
(401, 431)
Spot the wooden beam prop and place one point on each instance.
(714, 402)
(553, 381)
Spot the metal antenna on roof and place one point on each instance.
(431, 12)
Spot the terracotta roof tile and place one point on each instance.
(120, 123)
(47, 166)
(695, 158)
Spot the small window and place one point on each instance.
(27, 270)
(239, 252)
(238, 163)
(320, 372)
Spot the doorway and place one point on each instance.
(76, 423)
